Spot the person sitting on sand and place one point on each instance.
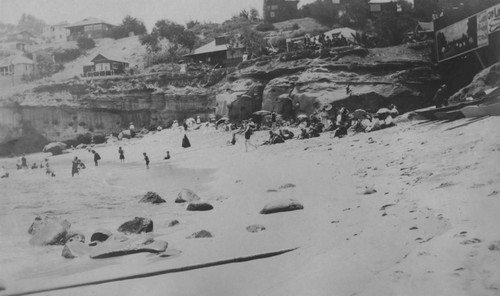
(146, 159)
(41, 164)
(167, 157)
(81, 165)
(34, 166)
(303, 134)
(3, 173)
(74, 167)
(286, 134)
(24, 163)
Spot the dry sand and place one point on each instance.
(427, 230)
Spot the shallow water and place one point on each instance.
(100, 197)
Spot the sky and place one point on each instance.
(113, 11)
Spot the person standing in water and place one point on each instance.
(122, 155)
(97, 157)
(146, 159)
(24, 162)
(74, 167)
(168, 156)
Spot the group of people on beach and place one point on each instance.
(22, 164)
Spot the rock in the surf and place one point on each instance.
(48, 231)
(100, 235)
(201, 234)
(138, 225)
(199, 206)
(75, 249)
(255, 228)
(282, 205)
(55, 148)
(112, 248)
(152, 197)
(186, 195)
(173, 223)
(75, 236)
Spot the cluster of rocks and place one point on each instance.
(133, 235)
(55, 148)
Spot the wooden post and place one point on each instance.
(480, 60)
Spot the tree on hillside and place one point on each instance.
(324, 12)
(129, 24)
(253, 42)
(85, 43)
(355, 13)
(29, 23)
(254, 14)
(191, 24)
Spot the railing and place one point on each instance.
(100, 73)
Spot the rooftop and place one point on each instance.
(14, 60)
(88, 21)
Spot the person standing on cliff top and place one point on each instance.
(441, 96)
(132, 129)
(146, 159)
(97, 157)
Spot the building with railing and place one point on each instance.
(90, 27)
(104, 66)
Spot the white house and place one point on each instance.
(55, 33)
(16, 66)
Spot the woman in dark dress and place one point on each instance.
(122, 155)
(248, 131)
(74, 167)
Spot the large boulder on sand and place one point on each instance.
(282, 205)
(55, 148)
(49, 231)
(201, 234)
(186, 195)
(152, 197)
(199, 206)
(100, 235)
(75, 249)
(138, 225)
(113, 248)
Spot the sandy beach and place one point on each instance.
(431, 227)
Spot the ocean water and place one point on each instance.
(99, 197)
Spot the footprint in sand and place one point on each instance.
(470, 241)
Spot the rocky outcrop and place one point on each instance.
(255, 228)
(136, 226)
(201, 234)
(484, 80)
(152, 197)
(55, 148)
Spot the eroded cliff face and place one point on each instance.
(289, 84)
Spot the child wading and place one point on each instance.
(146, 159)
(74, 167)
(97, 157)
(122, 155)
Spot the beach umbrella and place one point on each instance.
(245, 96)
(384, 111)
(327, 107)
(262, 112)
(301, 116)
(222, 120)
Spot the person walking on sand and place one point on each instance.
(273, 120)
(74, 167)
(122, 155)
(168, 156)
(247, 132)
(97, 157)
(146, 159)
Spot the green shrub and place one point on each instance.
(264, 27)
(85, 43)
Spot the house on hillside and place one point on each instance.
(280, 10)
(378, 6)
(90, 27)
(105, 66)
(55, 33)
(218, 53)
(21, 41)
(16, 66)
